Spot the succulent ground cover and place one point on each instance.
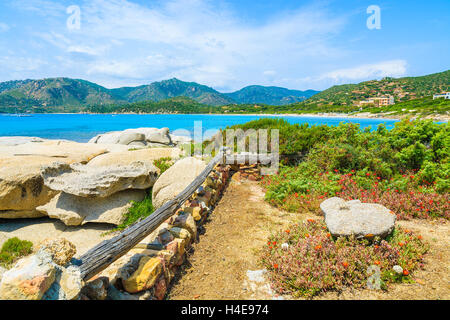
(305, 260)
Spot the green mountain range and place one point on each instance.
(73, 95)
(270, 95)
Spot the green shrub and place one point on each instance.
(163, 164)
(13, 249)
(137, 212)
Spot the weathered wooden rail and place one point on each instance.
(102, 255)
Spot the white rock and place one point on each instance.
(74, 210)
(355, 218)
(398, 269)
(88, 181)
(176, 179)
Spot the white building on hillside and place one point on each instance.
(445, 95)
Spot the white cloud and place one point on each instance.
(20, 64)
(3, 27)
(392, 68)
(194, 41)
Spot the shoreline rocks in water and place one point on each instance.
(140, 137)
(346, 218)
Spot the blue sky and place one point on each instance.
(226, 44)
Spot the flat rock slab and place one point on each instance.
(38, 230)
(345, 218)
(74, 211)
(85, 181)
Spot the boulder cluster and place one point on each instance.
(144, 273)
(79, 183)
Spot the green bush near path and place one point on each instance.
(407, 168)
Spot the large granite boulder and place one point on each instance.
(345, 218)
(22, 187)
(86, 181)
(74, 210)
(147, 155)
(176, 179)
(138, 136)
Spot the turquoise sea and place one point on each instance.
(82, 127)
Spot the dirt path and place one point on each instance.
(240, 224)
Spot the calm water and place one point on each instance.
(82, 127)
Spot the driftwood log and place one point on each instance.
(102, 255)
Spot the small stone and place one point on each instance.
(160, 289)
(345, 218)
(187, 221)
(29, 279)
(96, 289)
(398, 269)
(145, 276)
(284, 246)
(165, 237)
(195, 211)
(116, 294)
(71, 282)
(180, 233)
(61, 250)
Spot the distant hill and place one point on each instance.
(166, 89)
(270, 95)
(172, 105)
(54, 92)
(403, 89)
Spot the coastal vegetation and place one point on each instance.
(13, 249)
(138, 211)
(405, 169)
(305, 260)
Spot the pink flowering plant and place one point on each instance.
(315, 262)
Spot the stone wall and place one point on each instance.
(147, 270)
